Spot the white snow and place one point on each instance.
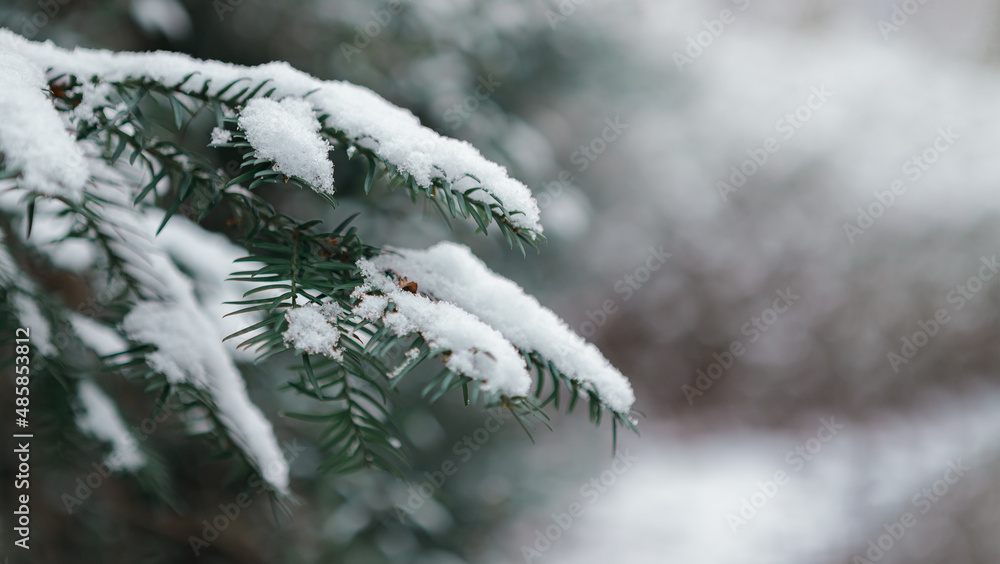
(407, 359)
(181, 315)
(153, 322)
(451, 272)
(312, 329)
(100, 419)
(9, 271)
(50, 230)
(189, 349)
(164, 16)
(182, 271)
(287, 133)
(209, 260)
(31, 317)
(393, 133)
(221, 136)
(94, 96)
(33, 138)
(101, 338)
(672, 507)
(477, 350)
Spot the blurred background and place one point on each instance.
(817, 357)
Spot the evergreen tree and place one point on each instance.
(105, 263)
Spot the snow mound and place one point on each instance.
(100, 419)
(311, 329)
(476, 349)
(287, 133)
(450, 272)
(100, 338)
(33, 138)
(188, 335)
(220, 136)
(184, 354)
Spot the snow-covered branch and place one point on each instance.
(368, 120)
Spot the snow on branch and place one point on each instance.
(368, 120)
(209, 259)
(287, 133)
(185, 327)
(190, 351)
(33, 138)
(312, 329)
(99, 418)
(475, 349)
(31, 316)
(102, 339)
(450, 272)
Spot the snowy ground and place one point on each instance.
(885, 103)
(676, 502)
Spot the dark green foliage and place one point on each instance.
(292, 263)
